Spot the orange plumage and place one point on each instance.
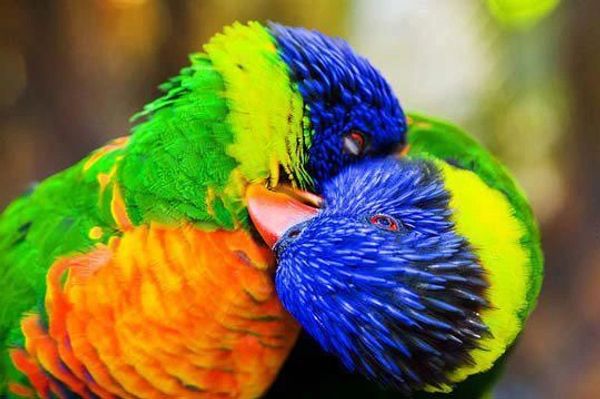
(159, 312)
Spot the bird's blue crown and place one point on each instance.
(353, 111)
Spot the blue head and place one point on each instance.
(380, 278)
(353, 113)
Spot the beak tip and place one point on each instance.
(273, 213)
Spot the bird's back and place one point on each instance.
(61, 215)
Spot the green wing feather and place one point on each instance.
(52, 220)
(176, 166)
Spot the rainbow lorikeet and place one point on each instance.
(135, 273)
(418, 272)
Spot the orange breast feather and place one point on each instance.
(160, 312)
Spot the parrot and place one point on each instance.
(136, 272)
(417, 271)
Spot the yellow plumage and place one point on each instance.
(484, 216)
(257, 78)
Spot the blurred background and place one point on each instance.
(522, 75)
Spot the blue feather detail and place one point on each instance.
(401, 307)
(343, 92)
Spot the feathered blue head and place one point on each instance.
(353, 112)
(381, 279)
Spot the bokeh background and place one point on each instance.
(522, 75)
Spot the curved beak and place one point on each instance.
(274, 212)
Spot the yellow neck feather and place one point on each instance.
(485, 218)
(266, 110)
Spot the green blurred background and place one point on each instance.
(522, 75)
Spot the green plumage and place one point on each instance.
(180, 152)
(50, 221)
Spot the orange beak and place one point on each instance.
(274, 212)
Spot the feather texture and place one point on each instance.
(158, 312)
(418, 272)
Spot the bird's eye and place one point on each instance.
(355, 143)
(384, 222)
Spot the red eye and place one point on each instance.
(385, 222)
(355, 142)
